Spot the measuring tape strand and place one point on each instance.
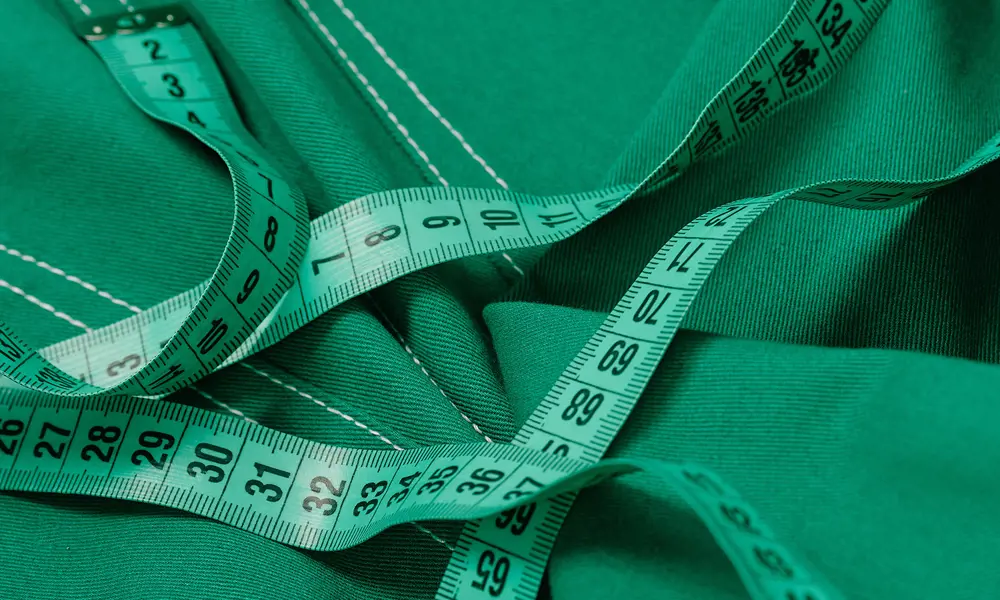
(322, 497)
(317, 496)
(383, 236)
(590, 401)
(287, 489)
(165, 68)
(858, 194)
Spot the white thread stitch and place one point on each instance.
(427, 104)
(83, 7)
(343, 55)
(232, 410)
(512, 263)
(392, 116)
(225, 406)
(420, 95)
(67, 277)
(100, 293)
(222, 404)
(371, 90)
(44, 305)
(399, 336)
(328, 408)
(211, 398)
(86, 10)
(127, 5)
(433, 535)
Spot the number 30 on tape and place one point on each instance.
(301, 493)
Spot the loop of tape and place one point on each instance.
(62, 438)
(168, 72)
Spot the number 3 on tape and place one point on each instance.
(163, 65)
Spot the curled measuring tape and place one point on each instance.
(383, 236)
(162, 64)
(180, 457)
(316, 496)
(592, 398)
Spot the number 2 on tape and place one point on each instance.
(163, 65)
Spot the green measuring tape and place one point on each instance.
(315, 496)
(386, 235)
(171, 76)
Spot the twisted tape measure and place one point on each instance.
(173, 78)
(273, 484)
(592, 398)
(383, 236)
(320, 497)
(61, 455)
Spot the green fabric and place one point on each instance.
(839, 368)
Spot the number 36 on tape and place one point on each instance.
(316, 496)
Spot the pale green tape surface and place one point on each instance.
(592, 398)
(306, 494)
(383, 236)
(169, 73)
(276, 485)
(248, 476)
(590, 401)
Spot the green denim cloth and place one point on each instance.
(838, 368)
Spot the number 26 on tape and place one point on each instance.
(11, 428)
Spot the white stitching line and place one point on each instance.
(512, 263)
(223, 405)
(416, 360)
(44, 305)
(413, 88)
(450, 401)
(420, 153)
(371, 90)
(330, 409)
(420, 95)
(433, 535)
(343, 55)
(83, 7)
(234, 411)
(80, 324)
(70, 278)
(423, 155)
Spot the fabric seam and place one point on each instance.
(413, 356)
(419, 95)
(44, 305)
(370, 89)
(71, 278)
(320, 403)
(381, 103)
